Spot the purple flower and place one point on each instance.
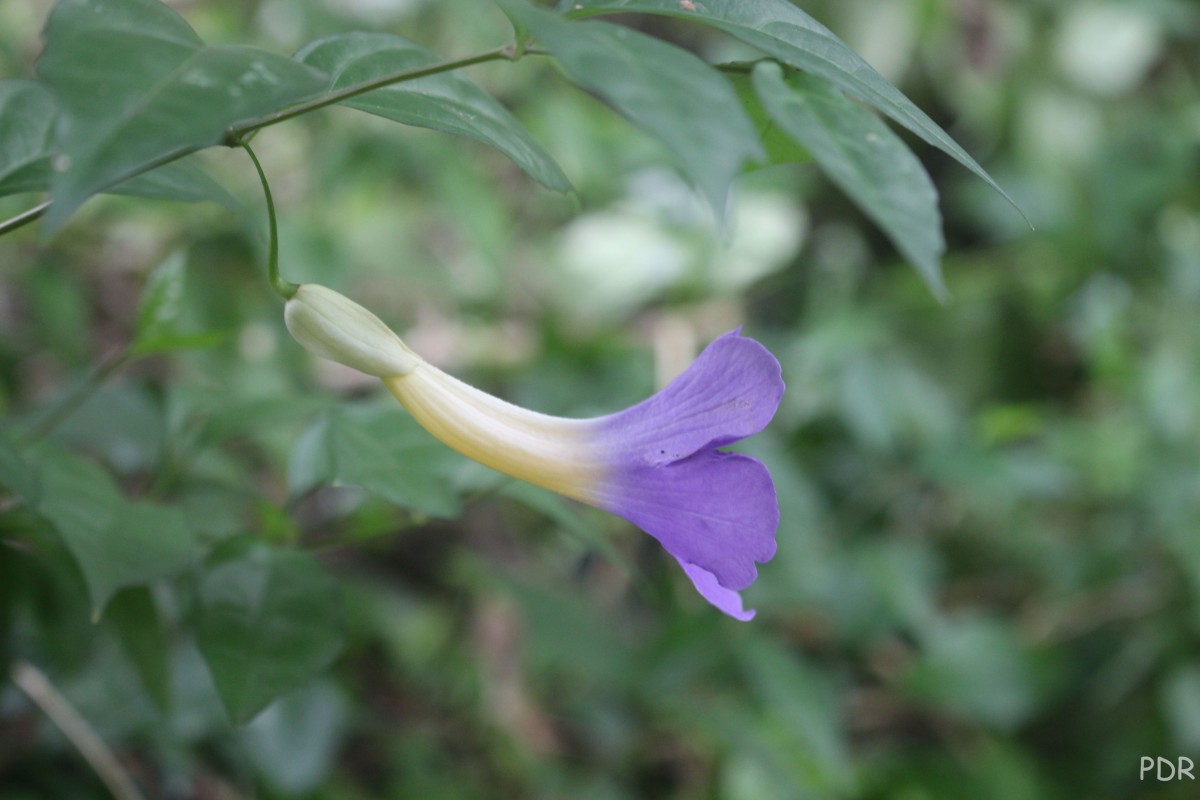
(716, 512)
(656, 464)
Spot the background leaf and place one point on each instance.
(162, 295)
(184, 180)
(783, 31)
(27, 114)
(267, 620)
(294, 742)
(116, 543)
(136, 88)
(448, 102)
(134, 617)
(161, 306)
(384, 452)
(669, 92)
(863, 157)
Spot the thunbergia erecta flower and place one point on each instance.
(657, 464)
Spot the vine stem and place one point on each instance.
(284, 289)
(34, 683)
(24, 218)
(235, 134)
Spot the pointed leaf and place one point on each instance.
(862, 156)
(781, 148)
(136, 87)
(116, 543)
(294, 744)
(311, 463)
(158, 326)
(27, 114)
(783, 31)
(161, 298)
(184, 180)
(386, 454)
(669, 92)
(446, 102)
(268, 621)
(143, 636)
(393, 457)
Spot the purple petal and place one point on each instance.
(727, 600)
(716, 511)
(729, 392)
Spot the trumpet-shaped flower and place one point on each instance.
(656, 464)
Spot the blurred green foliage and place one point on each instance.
(989, 562)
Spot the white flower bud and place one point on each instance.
(335, 327)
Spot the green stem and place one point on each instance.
(284, 289)
(24, 218)
(236, 132)
(71, 403)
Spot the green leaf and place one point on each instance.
(268, 620)
(669, 92)
(977, 667)
(158, 326)
(781, 148)
(311, 462)
(27, 114)
(294, 743)
(116, 543)
(783, 31)
(142, 543)
(136, 88)
(161, 299)
(184, 180)
(17, 474)
(446, 102)
(385, 453)
(805, 707)
(862, 156)
(142, 635)
(27, 119)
